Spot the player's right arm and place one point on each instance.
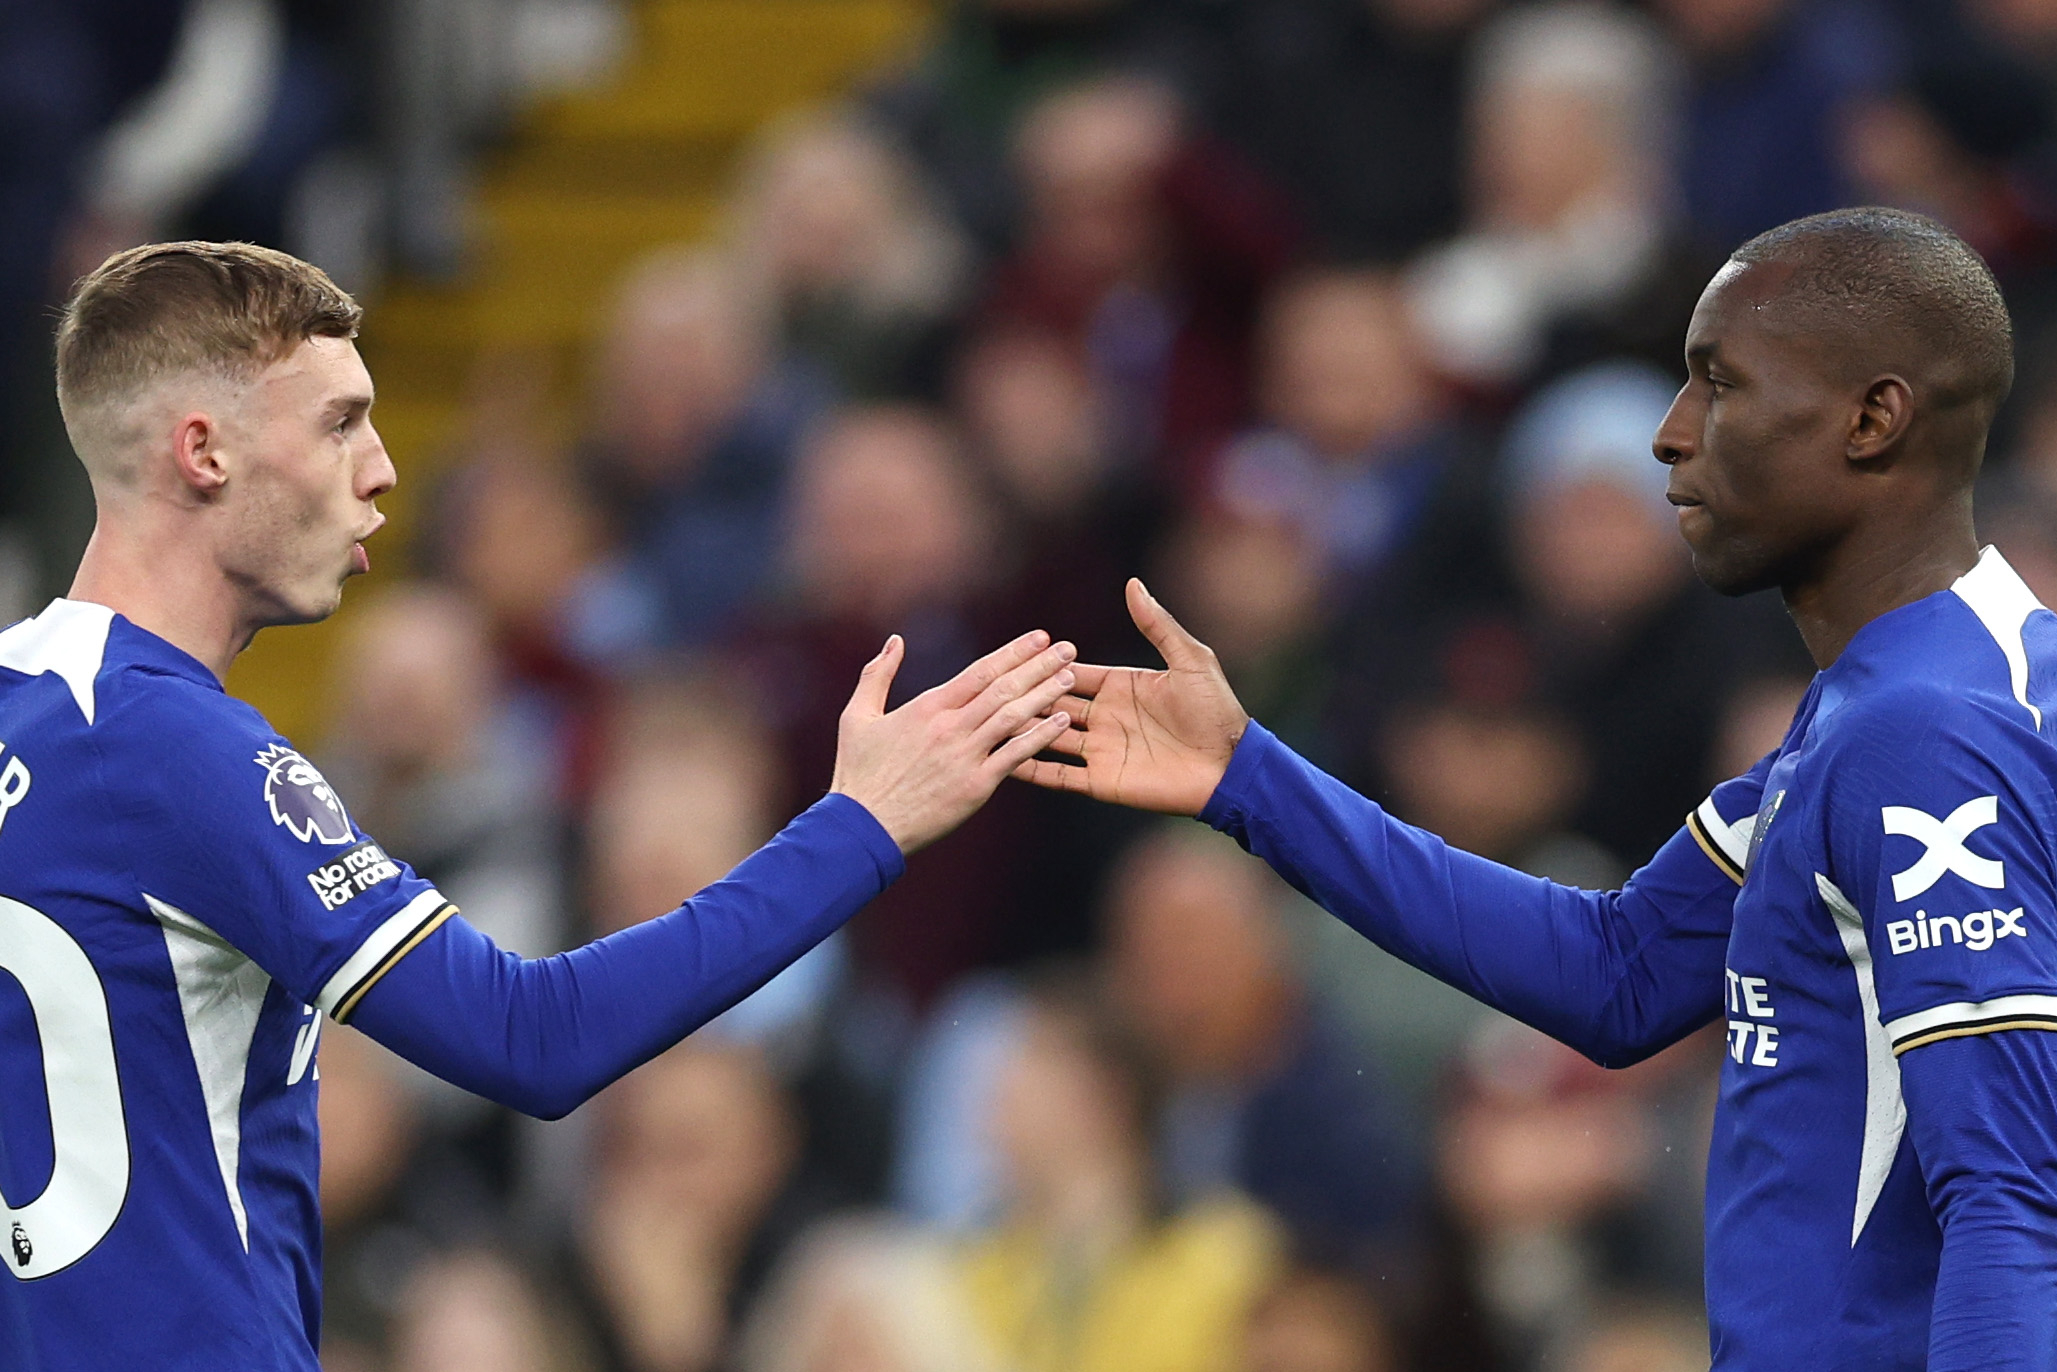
(253, 855)
(1617, 975)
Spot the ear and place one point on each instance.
(196, 453)
(1881, 419)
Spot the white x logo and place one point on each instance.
(1944, 840)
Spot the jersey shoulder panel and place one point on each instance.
(69, 641)
(1937, 806)
(232, 827)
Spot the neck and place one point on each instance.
(163, 585)
(1879, 571)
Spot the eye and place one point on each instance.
(1718, 385)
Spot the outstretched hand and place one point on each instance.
(1151, 740)
(924, 768)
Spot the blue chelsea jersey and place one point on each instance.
(1897, 888)
(181, 898)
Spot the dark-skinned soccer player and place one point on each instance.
(1872, 909)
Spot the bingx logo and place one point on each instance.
(1943, 842)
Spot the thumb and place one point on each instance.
(875, 682)
(1166, 635)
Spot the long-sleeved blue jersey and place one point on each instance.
(182, 897)
(1873, 912)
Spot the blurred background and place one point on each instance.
(716, 339)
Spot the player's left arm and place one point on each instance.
(1979, 1115)
(1940, 819)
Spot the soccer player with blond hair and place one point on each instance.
(183, 897)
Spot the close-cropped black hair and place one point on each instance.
(1883, 274)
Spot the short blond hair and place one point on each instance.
(226, 309)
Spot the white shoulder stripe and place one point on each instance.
(68, 638)
(373, 950)
(2003, 602)
(1966, 1014)
(1732, 839)
(1885, 1110)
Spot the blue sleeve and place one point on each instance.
(1617, 975)
(233, 830)
(542, 1035)
(1939, 814)
(1978, 1113)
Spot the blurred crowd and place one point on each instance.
(1346, 323)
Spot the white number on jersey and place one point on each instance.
(90, 1177)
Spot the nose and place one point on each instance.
(377, 475)
(1678, 437)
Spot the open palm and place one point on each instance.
(1153, 740)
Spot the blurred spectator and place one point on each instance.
(1754, 720)
(1770, 79)
(370, 1125)
(525, 541)
(889, 533)
(1039, 428)
(958, 107)
(474, 1311)
(425, 752)
(1502, 780)
(1357, 519)
(695, 1195)
(2026, 28)
(1955, 140)
(1644, 1336)
(1358, 434)
(1633, 650)
(696, 423)
(946, 1169)
(1252, 589)
(1354, 106)
(887, 527)
(686, 791)
(1076, 523)
(1316, 1319)
(1567, 253)
(864, 1295)
(689, 786)
(1566, 1178)
(1086, 1270)
(861, 270)
(255, 92)
(1149, 249)
(1263, 1094)
(66, 71)
(1942, 143)
(171, 145)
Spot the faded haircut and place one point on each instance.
(225, 310)
(1894, 277)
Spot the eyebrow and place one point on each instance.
(357, 403)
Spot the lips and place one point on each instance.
(360, 560)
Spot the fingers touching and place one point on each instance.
(968, 684)
(1020, 751)
(1051, 776)
(1013, 713)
